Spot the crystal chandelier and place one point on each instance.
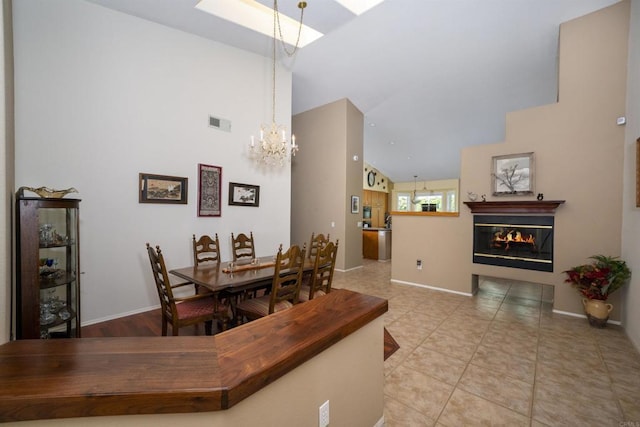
(273, 148)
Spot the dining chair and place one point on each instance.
(315, 243)
(184, 310)
(243, 246)
(322, 276)
(285, 286)
(206, 249)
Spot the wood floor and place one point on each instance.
(149, 324)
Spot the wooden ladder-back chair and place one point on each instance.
(316, 243)
(183, 311)
(285, 287)
(206, 249)
(322, 276)
(243, 246)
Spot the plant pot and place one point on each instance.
(597, 311)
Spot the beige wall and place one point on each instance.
(349, 374)
(324, 176)
(578, 158)
(631, 214)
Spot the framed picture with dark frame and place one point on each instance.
(355, 204)
(209, 190)
(244, 194)
(512, 175)
(162, 189)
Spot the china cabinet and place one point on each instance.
(47, 267)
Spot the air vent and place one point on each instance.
(221, 124)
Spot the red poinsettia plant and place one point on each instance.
(600, 278)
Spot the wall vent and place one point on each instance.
(221, 124)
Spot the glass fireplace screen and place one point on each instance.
(514, 241)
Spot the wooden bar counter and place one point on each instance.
(87, 377)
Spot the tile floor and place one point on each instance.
(499, 358)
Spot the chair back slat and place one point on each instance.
(243, 246)
(161, 278)
(206, 249)
(323, 268)
(287, 277)
(316, 243)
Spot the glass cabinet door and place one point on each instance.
(48, 283)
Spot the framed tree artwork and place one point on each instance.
(512, 175)
(209, 187)
(244, 194)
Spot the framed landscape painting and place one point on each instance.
(209, 187)
(162, 189)
(512, 175)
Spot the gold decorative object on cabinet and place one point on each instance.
(48, 193)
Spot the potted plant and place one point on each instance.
(596, 281)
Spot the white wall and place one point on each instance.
(631, 213)
(102, 96)
(6, 159)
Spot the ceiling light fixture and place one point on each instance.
(415, 199)
(272, 148)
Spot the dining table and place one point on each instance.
(234, 279)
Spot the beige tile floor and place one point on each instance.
(499, 358)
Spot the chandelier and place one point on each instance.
(273, 148)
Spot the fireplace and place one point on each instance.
(514, 241)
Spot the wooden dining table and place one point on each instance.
(224, 281)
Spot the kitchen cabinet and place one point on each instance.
(376, 244)
(379, 206)
(47, 268)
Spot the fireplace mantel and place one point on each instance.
(514, 206)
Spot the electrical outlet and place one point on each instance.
(324, 414)
(419, 264)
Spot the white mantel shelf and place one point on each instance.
(514, 206)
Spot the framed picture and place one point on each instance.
(244, 194)
(209, 187)
(512, 175)
(162, 189)
(355, 204)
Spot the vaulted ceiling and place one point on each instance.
(430, 76)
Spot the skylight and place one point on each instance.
(257, 17)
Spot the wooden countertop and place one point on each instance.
(65, 378)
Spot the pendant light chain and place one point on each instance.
(301, 6)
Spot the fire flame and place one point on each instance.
(513, 236)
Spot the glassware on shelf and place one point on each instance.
(64, 314)
(46, 234)
(46, 316)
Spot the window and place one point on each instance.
(445, 201)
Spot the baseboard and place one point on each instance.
(582, 316)
(349, 269)
(419, 285)
(117, 316)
